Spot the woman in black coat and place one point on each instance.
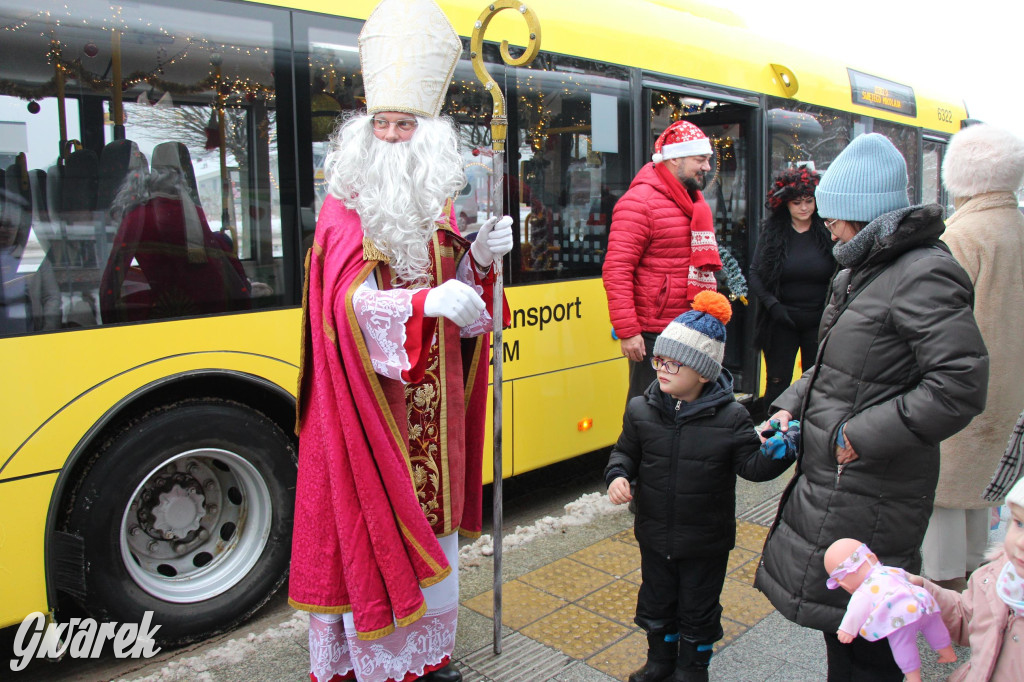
(789, 274)
(901, 366)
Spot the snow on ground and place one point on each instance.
(235, 651)
(577, 513)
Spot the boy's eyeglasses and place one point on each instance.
(829, 224)
(670, 366)
(403, 124)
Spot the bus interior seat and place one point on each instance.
(80, 182)
(175, 155)
(117, 160)
(37, 186)
(17, 210)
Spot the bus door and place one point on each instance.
(733, 191)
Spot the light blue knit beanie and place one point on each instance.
(867, 179)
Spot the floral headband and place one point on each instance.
(793, 183)
(850, 565)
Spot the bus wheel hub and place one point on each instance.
(178, 512)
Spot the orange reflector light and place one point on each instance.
(585, 424)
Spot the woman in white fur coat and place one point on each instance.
(983, 169)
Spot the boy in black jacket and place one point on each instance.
(683, 442)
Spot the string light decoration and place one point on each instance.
(235, 89)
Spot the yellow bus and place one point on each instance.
(160, 177)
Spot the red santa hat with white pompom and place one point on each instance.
(682, 138)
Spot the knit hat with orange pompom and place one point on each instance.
(696, 338)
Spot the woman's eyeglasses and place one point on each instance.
(670, 366)
(829, 224)
(403, 124)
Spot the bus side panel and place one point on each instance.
(22, 530)
(47, 449)
(549, 410)
(508, 390)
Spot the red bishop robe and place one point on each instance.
(384, 466)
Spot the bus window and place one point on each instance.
(905, 139)
(805, 134)
(574, 154)
(931, 174)
(161, 203)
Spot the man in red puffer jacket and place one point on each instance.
(661, 248)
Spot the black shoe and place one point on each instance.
(445, 674)
(694, 674)
(654, 671)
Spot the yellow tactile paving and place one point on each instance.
(745, 573)
(567, 579)
(621, 658)
(610, 556)
(521, 604)
(750, 536)
(575, 632)
(616, 602)
(731, 630)
(626, 536)
(583, 604)
(744, 604)
(738, 557)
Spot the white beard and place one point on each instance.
(398, 189)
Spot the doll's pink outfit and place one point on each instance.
(887, 605)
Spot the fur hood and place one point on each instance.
(983, 158)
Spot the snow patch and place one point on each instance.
(230, 653)
(577, 513)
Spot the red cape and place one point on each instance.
(361, 541)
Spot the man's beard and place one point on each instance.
(695, 184)
(398, 189)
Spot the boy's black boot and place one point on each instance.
(662, 650)
(693, 661)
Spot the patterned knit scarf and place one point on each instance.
(704, 259)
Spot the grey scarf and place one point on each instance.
(854, 252)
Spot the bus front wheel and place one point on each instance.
(186, 512)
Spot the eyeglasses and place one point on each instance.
(830, 223)
(403, 124)
(670, 366)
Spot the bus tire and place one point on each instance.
(186, 512)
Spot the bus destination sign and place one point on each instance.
(878, 93)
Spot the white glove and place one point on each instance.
(454, 300)
(493, 240)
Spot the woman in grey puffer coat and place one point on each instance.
(901, 366)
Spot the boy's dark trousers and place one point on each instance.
(683, 596)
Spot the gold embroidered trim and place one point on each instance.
(427, 582)
(427, 559)
(372, 252)
(364, 356)
(375, 634)
(442, 345)
(315, 608)
(329, 331)
(412, 617)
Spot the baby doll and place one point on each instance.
(885, 604)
